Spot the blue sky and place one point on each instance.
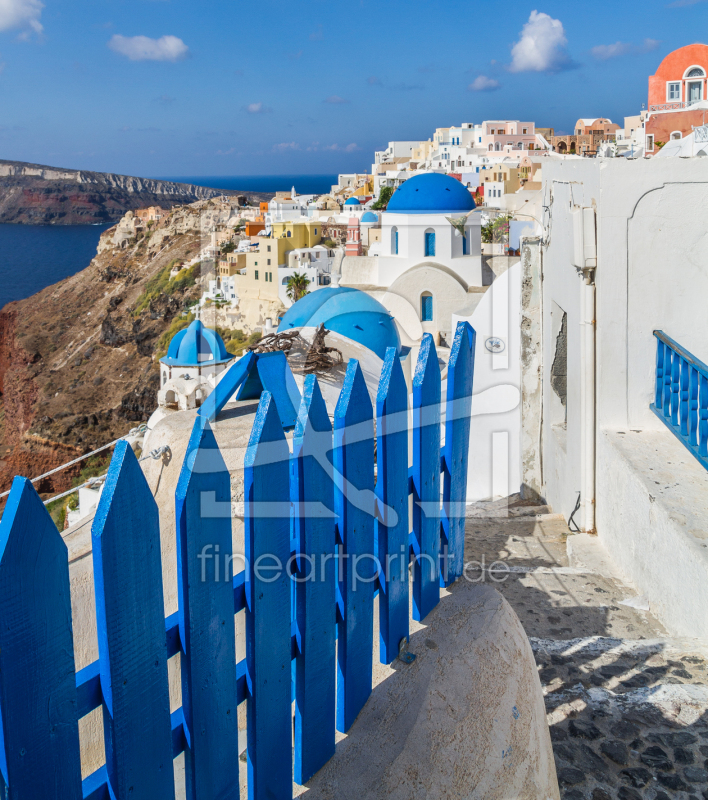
(169, 87)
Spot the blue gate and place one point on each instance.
(319, 508)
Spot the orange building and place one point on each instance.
(677, 96)
(254, 227)
(680, 80)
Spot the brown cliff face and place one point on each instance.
(77, 364)
(37, 194)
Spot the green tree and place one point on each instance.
(298, 286)
(384, 197)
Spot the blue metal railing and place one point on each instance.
(681, 395)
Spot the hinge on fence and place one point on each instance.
(404, 653)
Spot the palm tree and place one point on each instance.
(298, 286)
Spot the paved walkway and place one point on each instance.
(627, 705)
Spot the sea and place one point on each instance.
(33, 257)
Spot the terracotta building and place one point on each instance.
(588, 134)
(677, 96)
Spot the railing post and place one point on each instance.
(703, 417)
(675, 388)
(666, 404)
(426, 480)
(392, 525)
(268, 648)
(312, 493)
(206, 614)
(683, 401)
(659, 384)
(39, 732)
(130, 619)
(355, 507)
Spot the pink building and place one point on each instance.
(506, 135)
(353, 238)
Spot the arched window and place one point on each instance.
(497, 146)
(464, 243)
(676, 135)
(285, 280)
(429, 242)
(426, 307)
(289, 234)
(491, 147)
(394, 241)
(696, 72)
(164, 378)
(520, 145)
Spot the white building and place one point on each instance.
(222, 289)
(314, 262)
(623, 256)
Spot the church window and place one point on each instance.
(426, 307)
(429, 243)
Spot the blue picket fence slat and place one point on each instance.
(426, 480)
(131, 634)
(355, 504)
(458, 405)
(312, 492)
(268, 645)
(206, 603)
(39, 733)
(317, 509)
(392, 495)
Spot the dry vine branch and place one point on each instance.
(274, 342)
(317, 359)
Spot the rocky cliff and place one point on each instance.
(37, 194)
(78, 361)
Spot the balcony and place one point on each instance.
(681, 395)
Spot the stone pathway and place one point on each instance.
(627, 705)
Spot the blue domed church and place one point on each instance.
(427, 257)
(195, 359)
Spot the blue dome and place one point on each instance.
(196, 346)
(369, 216)
(432, 193)
(352, 202)
(346, 311)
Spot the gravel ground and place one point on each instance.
(627, 705)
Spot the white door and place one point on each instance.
(695, 91)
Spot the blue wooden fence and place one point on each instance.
(681, 395)
(322, 537)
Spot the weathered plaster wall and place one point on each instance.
(495, 457)
(531, 368)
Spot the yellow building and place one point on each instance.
(423, 151)
(233, 263)
(261, 273)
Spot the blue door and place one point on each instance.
(464, 245)
(426, 306)
(429, 243)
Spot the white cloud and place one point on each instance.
(143, 48)
(257, 108)
(335, 100)
(283, 146)
(541, 46)
(23, 14)
(483, 84)
(349, 148)
(604, 52)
